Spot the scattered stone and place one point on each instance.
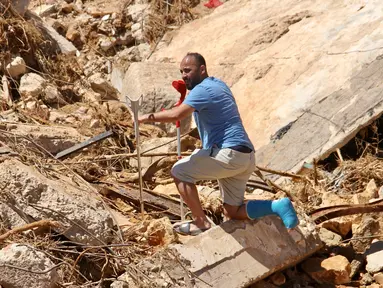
(107, 43)
(45, 10)
(31, 85)
(124, 281)
(367, 227)
(41, 198)
(341, 225)
(374, 256)
(378, 277)
(329, 238)
(168, 189)
(356, 265)
(95, 123)
(100, 85)
(16, 68)
(366, 279)
(278, 279)
(369, 193)
(27, 258)
(67, 8)
(374, 285)
(334, 270)
(160, 232)
(52, 96)
(380, 193)
(31, 105)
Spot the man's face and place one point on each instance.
(191, 72)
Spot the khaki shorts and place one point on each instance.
(231, 168)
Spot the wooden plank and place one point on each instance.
(153, 201)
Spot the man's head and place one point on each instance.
(193, 69)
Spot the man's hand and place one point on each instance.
(172, 115)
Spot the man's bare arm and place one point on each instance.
(172, 115)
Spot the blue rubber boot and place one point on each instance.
(282, 208)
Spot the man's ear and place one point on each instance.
(202, 69)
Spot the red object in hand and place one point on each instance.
(180, 86)
(213, 4)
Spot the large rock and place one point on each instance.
(153, 81)
(32, 196)
(52, 138)
(374, 257)
(27, 258)
(334, 270)
(279, 72)
(239, 253)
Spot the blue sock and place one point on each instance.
(282, 208)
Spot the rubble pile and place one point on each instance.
(69, 202)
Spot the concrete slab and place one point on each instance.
(239, 253)
(330, 123)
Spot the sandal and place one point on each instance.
(184, 229)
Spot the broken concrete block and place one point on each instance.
(239, 253)
(333, 270)
(52, 138)
(81, 214)
(329, 238)
(53, 96)
(17, 67)
(374, 257)
(27, 258)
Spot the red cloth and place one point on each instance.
(180, 86)
(213, 4)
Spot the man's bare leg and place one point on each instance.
(189, 194)
(255, 209)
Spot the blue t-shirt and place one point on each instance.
(216, 115)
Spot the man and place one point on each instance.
(227, 153)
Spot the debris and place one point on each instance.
(378, 277)
(38, 224)
(82, 216)
(23, 266)
(84, 144)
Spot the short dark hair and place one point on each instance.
(198, 57)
